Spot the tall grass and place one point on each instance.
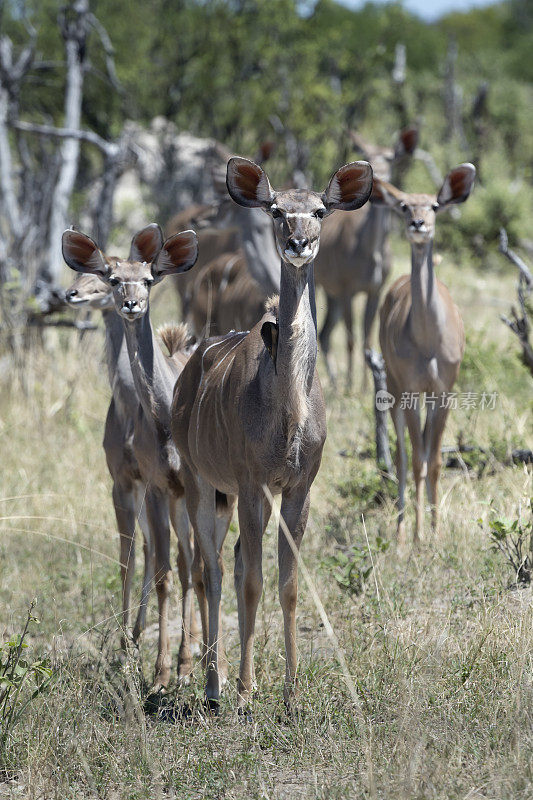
(438, 648)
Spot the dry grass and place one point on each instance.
(439, 647)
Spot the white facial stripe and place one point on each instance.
(132, 283)
(300, 215)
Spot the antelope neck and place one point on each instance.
(153, 377)
(114, 339)
(118, 366)
(426, 311)
(376, 229)
(297, 342)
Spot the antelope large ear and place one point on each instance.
(146, 244)
(178, 254)
(407, 141)
(457, 185)
(247, 184)
(82, 254)
(350, 187)
(385, 194)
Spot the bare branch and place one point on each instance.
(109, 148)
(109, 53)
(519, 322)
(515, 259)
(431, 166)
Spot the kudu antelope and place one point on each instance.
(154, 375)
(354, 255)
(422, 340)
(129, 488)
(228, 291)
(238, 266)
(248, 413)
(225, 297)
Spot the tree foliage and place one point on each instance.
(245, 70)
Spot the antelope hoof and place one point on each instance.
(185, 667)
(212, 706)
(184, 675)
(154, 699)
(245, 716)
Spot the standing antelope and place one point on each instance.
(236, 247)
(129, 488)
(354, 256)
(154, 376)
(248, 413)
(422, 339)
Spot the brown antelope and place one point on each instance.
(354, 255)
(129, 489)
(248, 413)
(422, 340)
(154, 375)
(232, 245)
(225, 297)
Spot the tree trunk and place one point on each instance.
(74, 32)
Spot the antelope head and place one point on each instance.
(419, 211)
(90, 291)
(130, 281)
(298, 213)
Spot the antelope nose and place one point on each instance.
(130, 305)
(417, 223)
(298, 244)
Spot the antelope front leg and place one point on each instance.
(201, 506)
(254, 514)
(149, 560)
(125, 515)
(294, 510)
(333, 315)
(182, 527)
(225, 506)
(158, 519)
(419, 468)
(201, 597)
(371, 307)
(347, 314)
(401, 466)
(436, 431)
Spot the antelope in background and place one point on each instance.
(238, 266)
(129, 488)
(422, 339)
(354, 255)
(248, 413)
(154, 376)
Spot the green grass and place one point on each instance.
(439, 649)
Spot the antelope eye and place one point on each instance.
(320, 213)
(276, 213)
(114, 281)
(148, 282)
(403, 205)
(435, 206)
